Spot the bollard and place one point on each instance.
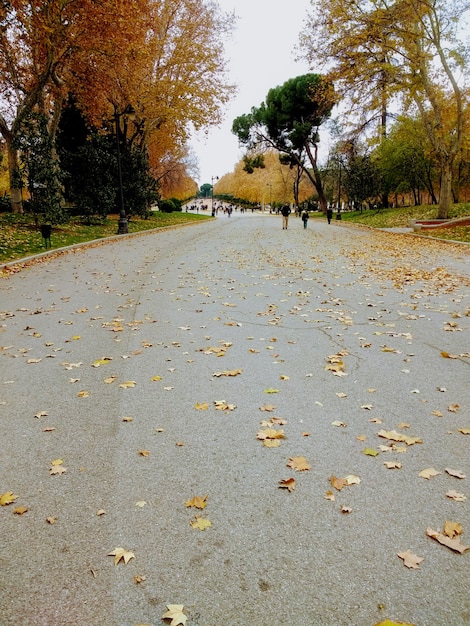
(46, 230)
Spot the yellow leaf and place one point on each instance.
(175, 613)
(121, 554)
(110, 380)
(271, 443)
(370, 452)
(83, 394)
(57, 462)
(102, 361)
(154, 378)
(388, 622)
(271, 390)
(199, 502)
(464, 431)
(451, 529)
(298, 463)
(201, 406)
(200, 523)
(128, 384)
(144, 452)
(270, 433)
(20, 510)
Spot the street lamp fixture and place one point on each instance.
(129, 113)
(212, 193)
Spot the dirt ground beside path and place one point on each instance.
(260, 422)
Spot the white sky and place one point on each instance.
(260, 56)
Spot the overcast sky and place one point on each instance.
(260, 55)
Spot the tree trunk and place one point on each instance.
(14, 178)
(445, 196)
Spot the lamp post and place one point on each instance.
(212, 193)
(128, 112)
(338, 214)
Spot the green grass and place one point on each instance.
(399, 218)
(20, 238)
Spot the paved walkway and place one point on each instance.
(139, 375)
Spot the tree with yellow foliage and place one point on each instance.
(406, 50)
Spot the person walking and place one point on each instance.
(304, 217)
(285, 212)
(329, 214)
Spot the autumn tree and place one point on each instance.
(408, 49)
(289, 122)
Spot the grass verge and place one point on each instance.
(399, 218)
(19, 237)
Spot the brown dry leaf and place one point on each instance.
(179, 444)
(453, 408)
(455, 495)
(329, 495)
(410, 560)
(222, 405)
(57, 470)
(20, 510)
(338, 483)
(446, 355)
(83, 394)
(393, 435)
(121, 554)
(49, 429)
(428, 473)
(100, 512)
(287, 483)
(298, 463)
(375, 420)
(199, 502)
(452, 529)
(144, 452)
(346, 509)
(128, 384)
(227, 373)
(305, 434)
(270, 433)
(278, 420)
(367, 407)
(454, 473)
(110, 380)
(392, 465)
(453, 544)
(271, 443)
(175, 613)
(267, 407)
(464, 431)
(127, 419)
(139, 579)
(41, 414)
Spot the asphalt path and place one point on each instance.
(146, 369)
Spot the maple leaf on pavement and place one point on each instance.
(410, 560)
(199, 502)
(287, 483)
(298, 463)
(7, 498)
(451, 542)
(175, 613)
(200, 523)
(121, 553)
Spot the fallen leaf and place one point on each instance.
(342, 395)
(199, 502)
(41, 414)
(49, 429)
(338, 483)
(392, 465)
(156, 378)
(362, 438)
(222, 405)
(110, 380)
(227, 373)
(453, 408)
(271, 443)
(453, 544)
(410, 560)
(455, 495)
(271, 390)
(464, 431)
(139, 579)
(127, 419)
(20, 510)
(144, 452)
(200, 523)
(452, 529)
(57, 470)
(455, 473)
(128, 384)
(175, 613)
(201, 406)
(352, 479)
(428, 473)
(388, 622)
(267, 407)
(393, 435)
(287, 483)
(102, 361)
(346, 509)
(141, 503)
(370, 452)
(121, 554)
(339, 424)
(100, 512)
(83, 394)
(298, 463)
(270, 433)
(329, 495)
(51, 520)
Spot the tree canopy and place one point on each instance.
(289, 122)
(407, 50)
